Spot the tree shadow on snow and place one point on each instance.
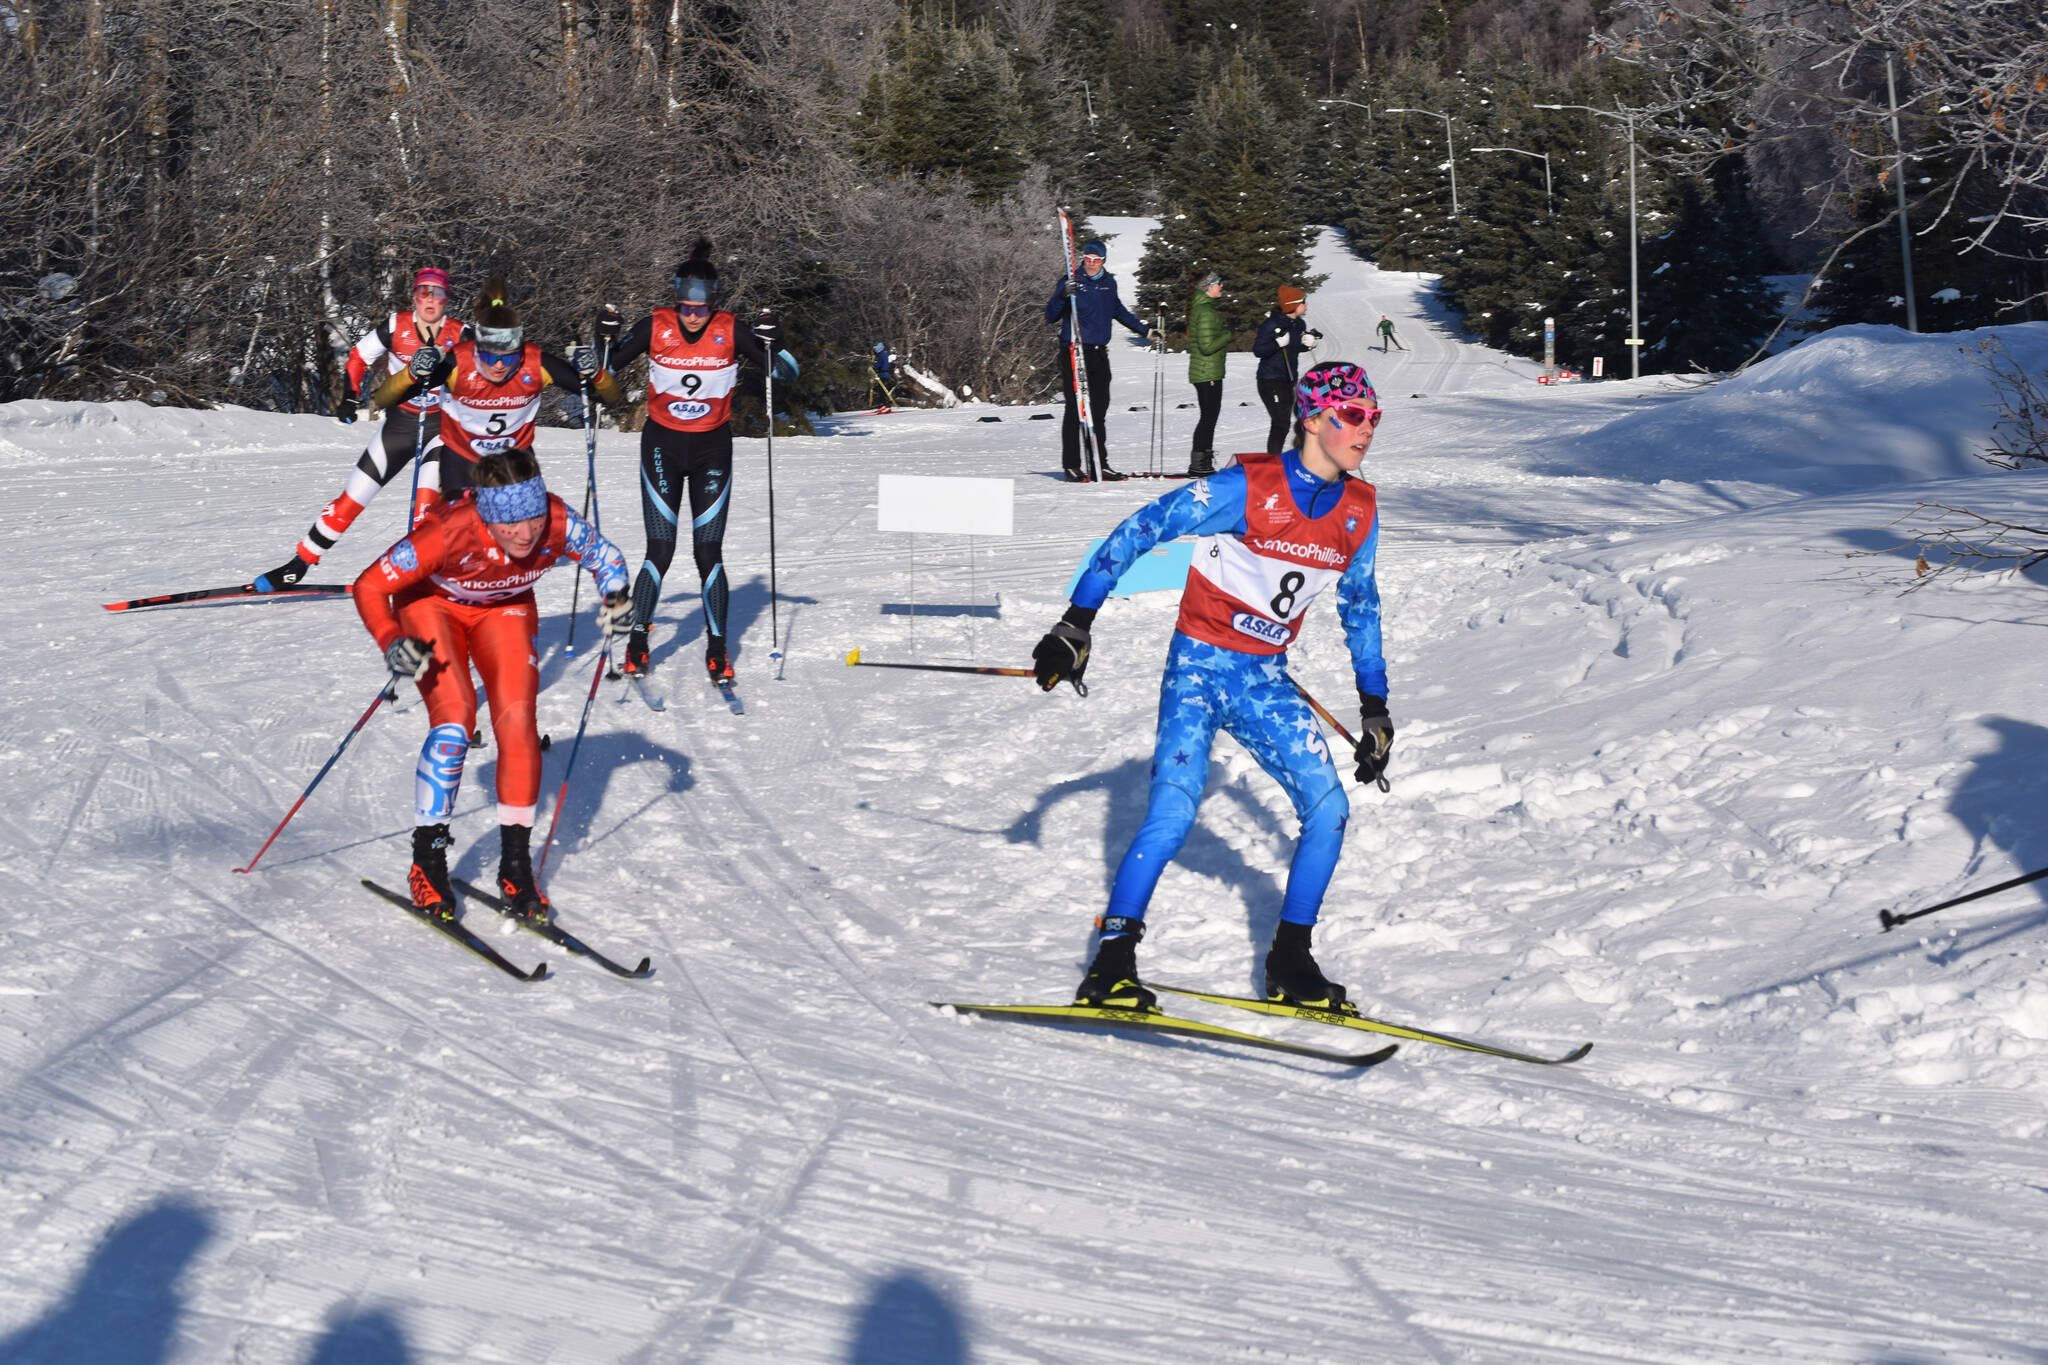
(602, 758)
(124, 1309)
(1126, 788)
(372, 1338)
(908, 1321)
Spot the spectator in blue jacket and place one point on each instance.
(1093, 296)
(1282, 337)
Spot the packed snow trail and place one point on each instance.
(1663, 753)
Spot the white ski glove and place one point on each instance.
(1309, 340)
(615, 614)
(410, 657)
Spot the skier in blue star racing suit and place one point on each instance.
(1276, 530)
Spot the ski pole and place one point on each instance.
(385, 693)
(604, 658)
(853, 660)
(1891, 921)
(1333, 723)
(419, 457)
(768, 401)
(589, 493)
(1157, 452)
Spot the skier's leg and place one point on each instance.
(436, 463)
(451, 706)
(502, 643)
(1272, 721)
(1095, 361)
(1278, 396)
(1189, 711)
(710, 482)
(389, 450)
(1070, 421)
(661, 491)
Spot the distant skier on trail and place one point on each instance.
(1208, 348)
(1093, 292)
(457, 590)
(492, 382)
(693, 351)
(1282, 337)
(391, 344)
(1386, 331)
(1275, 531)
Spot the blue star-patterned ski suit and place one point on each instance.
(1207, 686)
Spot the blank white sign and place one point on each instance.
(925, 504)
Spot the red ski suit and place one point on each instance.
(448, 583)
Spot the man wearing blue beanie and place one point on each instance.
(1094, 304)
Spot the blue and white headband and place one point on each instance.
(517, 502)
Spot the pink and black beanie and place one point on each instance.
(1332, 383)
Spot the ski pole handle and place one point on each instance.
(1334, 724)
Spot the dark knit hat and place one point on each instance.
(1094, 247)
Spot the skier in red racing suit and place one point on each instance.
(458, 590)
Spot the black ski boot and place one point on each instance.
(716, 664)
(1292, 976)
(286, 575)
(515, 875)
(1112, 979)
(1109, 475)
(1201, 464)
(635, 661)
(428, 879)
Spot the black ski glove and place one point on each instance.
(766, 330)
(1073, 287)
(1375, 740)
(609, 323)
(345, 411)
(1062, 656)
(424, 362)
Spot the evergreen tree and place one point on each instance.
(1232, 187)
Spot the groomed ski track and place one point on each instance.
(1660, 761)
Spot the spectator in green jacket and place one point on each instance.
(1208, 341)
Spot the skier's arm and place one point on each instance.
(601, 559)
(367, 352)
(1126, 316)
(1267, 342)
(401, 386)
(563, 375)
(411, 561)
(1358, 608)
(1056, 306)
(1204, 507)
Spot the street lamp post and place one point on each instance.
(1635, 340)
(1355, 105)
(1450, 150)
(1525, 152)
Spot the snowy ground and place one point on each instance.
(1664, 753)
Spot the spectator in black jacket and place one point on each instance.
(1093, 294)
(1282, 337)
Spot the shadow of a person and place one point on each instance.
(1127, 788)
(908, 1321)
(372, 1338)
(744, 609)
(602, 758)
(124, 1309)
(1996, 802)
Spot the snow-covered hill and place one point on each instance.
(1663, 754)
